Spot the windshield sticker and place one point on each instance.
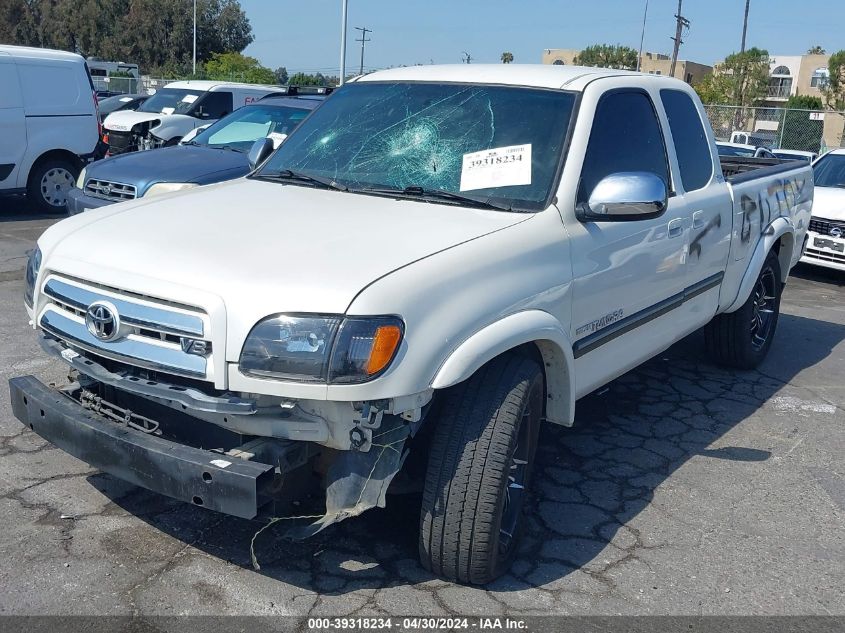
(189, 98)
(497, 167)
(167, 110)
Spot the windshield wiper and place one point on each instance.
(289, 175)
(437, 194)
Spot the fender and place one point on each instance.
(530, 326)
(176, 125)
(775, 231)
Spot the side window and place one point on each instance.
(689, 138)
(626, 136)
(216, 105)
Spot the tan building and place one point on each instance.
(652, 63)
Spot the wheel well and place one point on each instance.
(54, 154)
(556, 399)
(784, 248)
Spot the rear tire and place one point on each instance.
(479, 468)
(742, 339)
(49, 182)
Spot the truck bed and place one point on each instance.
(740, 168)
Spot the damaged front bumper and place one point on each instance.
(245, 476)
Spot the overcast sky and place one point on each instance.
(304, 34)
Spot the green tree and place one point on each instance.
(507, 58)
(816, 50)
(715, 88)
(745, 76)
(239, 67)
(303, 79)
(799, 131)
(608, 56)
(834, 91)
(281, 75)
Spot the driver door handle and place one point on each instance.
(676, 227)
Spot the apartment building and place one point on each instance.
(652, 63)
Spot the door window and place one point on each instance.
(215, 105)
(626, 136)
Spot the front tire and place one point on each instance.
(742, 339)
(479, 469)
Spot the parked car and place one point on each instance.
(760, 138)
(795, 154)
(48, 123)
(120, 102)
(175, 110)
(435, 261)
(826, 237)
(746, 151)
(218, 153)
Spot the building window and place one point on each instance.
(558, 62)
(657, 72)
(819, 78)
(781, 70)
(689, 78)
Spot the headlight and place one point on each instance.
(80, 182)
(32, 268)
(167, 187)
(321, 348)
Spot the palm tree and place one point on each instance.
(816, 50)
(507, 57)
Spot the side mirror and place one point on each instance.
(259, 151)
(625, 196)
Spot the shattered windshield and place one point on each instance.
(499, 143)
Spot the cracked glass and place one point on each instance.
(414, 136)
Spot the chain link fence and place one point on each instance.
(778, 128)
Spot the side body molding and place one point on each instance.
(779, 228)
(530, 326)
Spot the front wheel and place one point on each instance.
(479, 469)
(742, 339)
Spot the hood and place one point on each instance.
(829, 203)
(261, 247)
(125, 120)
(182, 163)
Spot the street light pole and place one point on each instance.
(642, 38)
(195, 37)
(345, 4)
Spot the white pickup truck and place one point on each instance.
(434, 262)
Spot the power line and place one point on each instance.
(681, 23)
(364, 30)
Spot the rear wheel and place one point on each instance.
(479, 470)
(49, 183)
(742, 339)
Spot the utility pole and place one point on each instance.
(642, 38)
(345, 6)
(364, 30)
(680, 24)
(745, 26)
(467, 58)
(195, 37)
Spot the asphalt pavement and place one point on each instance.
(683, 488)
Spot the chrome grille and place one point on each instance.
(825, 256)
(152, 335)
(823, 226)
(107, 190)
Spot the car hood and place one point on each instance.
(829, 203)
(258, 248)
(125, 120)
(182, 163)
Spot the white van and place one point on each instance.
(49, 126)
(175, 110)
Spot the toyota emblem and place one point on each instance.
(102, 321)
(835, 232)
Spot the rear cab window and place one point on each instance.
(689, 138)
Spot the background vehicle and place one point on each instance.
(120, 102)
(759, 138)
(826, 237)
(747, 151)
(795, 154)
(434, 261)
(114, 77)
(216, 154)
(48, 123)
(175, 110)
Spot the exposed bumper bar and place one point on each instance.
(212, 480)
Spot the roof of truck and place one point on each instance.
(41, 53)
(209, 84)
(535, 75)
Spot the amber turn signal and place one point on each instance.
(384, 346)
